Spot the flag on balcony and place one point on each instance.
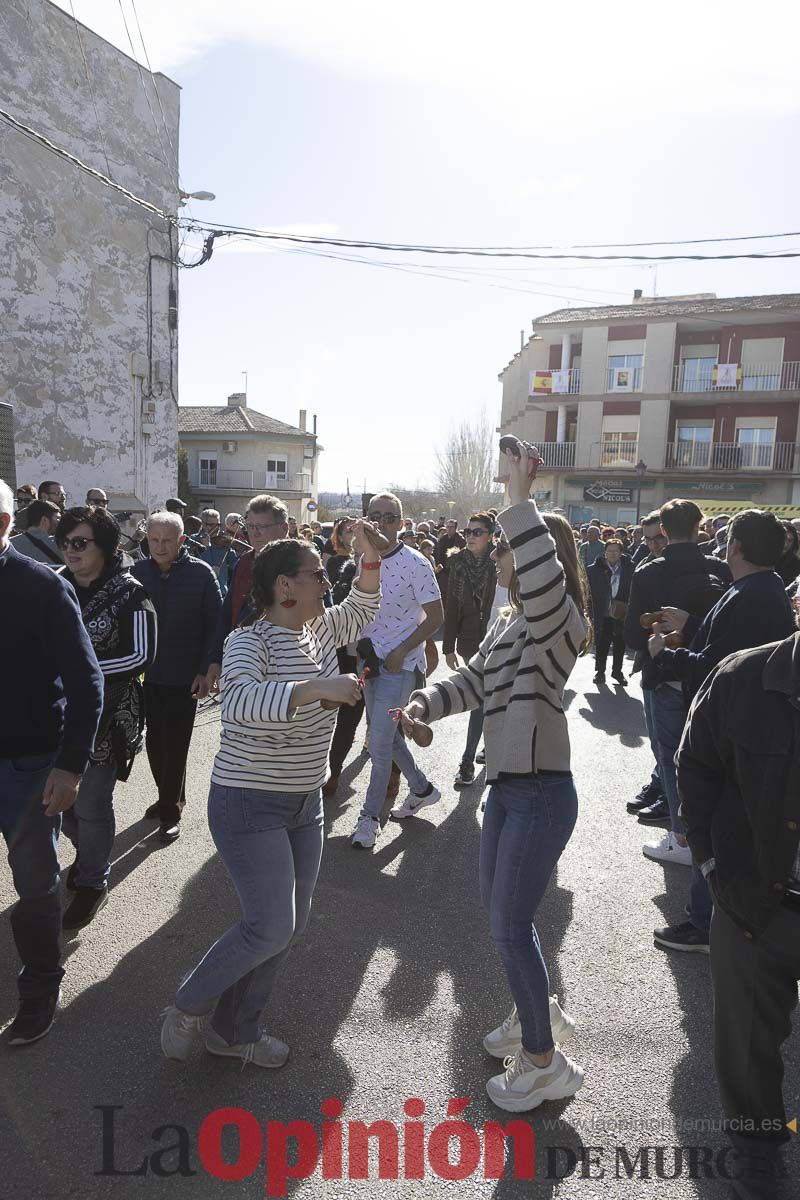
(560, 380)
(726, 375)
(541, 383)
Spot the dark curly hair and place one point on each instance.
(277, 558)
(105, 530)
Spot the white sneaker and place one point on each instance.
(524, 1086)
(178, 1032)
(266, 1052)
(669, 850)
(412, 804)
(366, 835)
(507, 1038)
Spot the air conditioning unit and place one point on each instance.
(230, 447)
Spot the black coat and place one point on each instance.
(739, 779)
(599, 576)
(187, 601)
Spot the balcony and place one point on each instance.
(618, 454)
(222, 479)
(734, 456)
(556, 454)
(555, 382)
(750, 377)
(216, 477)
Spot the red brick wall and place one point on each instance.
(620, 408)
(626, 333)
(724, 416)
(729, 339)
(550, 426)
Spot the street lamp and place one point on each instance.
(641, 471)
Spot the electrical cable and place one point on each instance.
(144, 86)
(91, 89)
(155, 89)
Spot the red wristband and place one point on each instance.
(370, 566)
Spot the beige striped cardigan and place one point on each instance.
(523, 663)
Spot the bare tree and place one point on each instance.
(466, 467)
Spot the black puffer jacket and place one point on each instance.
(187, 601)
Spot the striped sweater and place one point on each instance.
(263, 745)
(523, 663)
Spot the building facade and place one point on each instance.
(88, 279)
(235, 452)
(633, 405)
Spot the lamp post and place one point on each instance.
(641, 471)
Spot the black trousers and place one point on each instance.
(347, 720)
(755, 991)
(170, 713)
(609, 637)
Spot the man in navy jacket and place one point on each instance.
(51, 706)
(187, 600)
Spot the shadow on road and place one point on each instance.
(616, 713)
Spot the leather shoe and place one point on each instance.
(169, 833)
(655, 814)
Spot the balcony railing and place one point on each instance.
(750, 377)
(734, 456)
(222, 477)
(619, 454)
(556, 454)
(624, 379)
(554, 382)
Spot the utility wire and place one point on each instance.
(155, 88)
(91, 89)
(144, 86)
(39, 138)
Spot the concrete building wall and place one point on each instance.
(248, 456)
(594, 360)
(82, 349)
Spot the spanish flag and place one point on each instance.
(541, 383)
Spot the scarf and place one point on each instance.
(475, 576)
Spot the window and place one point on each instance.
(276, 472)
(625, 372)
(620, 441)
(693, 443)
(755, 441)
(762, 363)
(208, 470)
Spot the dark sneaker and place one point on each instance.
(619, 678)
(169, 833)
(656, 814)
(33, 1020)
(649, 794)
(464, 778)
(84, 907)
(151, 813)
(682, 937)
(480, 757)
(599, 677)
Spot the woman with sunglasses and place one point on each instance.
(281, 688)
(519, 674)
(121, 624)
(470, 596)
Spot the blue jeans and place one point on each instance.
(474, 731)
(271, 843)
(32, 840)
(386, 742)
(527, 823)
(90, 825)
(669, 711)
(700, 902)
(650, 722)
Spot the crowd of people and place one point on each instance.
(113, 641)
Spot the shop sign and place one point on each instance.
(607, 493)
(711, 487)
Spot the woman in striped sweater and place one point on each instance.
(280, 690)
(519, 674)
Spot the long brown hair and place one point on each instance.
(577, 585)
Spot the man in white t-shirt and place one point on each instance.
(410, 612)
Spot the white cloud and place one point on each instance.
(525, 63)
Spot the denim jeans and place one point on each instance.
(650, 722)
(527, 823)
(386, 742)
(669, 711)
(700, 902)
(90, 825)
(474, 731)
(32, 840)
(271, 844)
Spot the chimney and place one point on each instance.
(302, 421)
(238, 399)
(637, 295)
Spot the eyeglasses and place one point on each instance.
(251, 528)
(477, 532)
(318, 573)
(76, 543)
(387, 518)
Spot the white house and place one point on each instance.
(235, 452)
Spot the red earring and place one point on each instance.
(288, 603)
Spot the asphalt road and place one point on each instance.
(386, 999)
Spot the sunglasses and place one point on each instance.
(477, 532)
(387, 518)
(76, 543)
(318, 573)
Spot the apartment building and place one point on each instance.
(632, 405)
(235, 452)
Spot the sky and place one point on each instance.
(444, 123)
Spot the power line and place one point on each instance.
(487, 252)
(41, 140)
(144, 86)
(155, 88)
(91, 89)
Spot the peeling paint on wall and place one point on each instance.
(74, 258)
